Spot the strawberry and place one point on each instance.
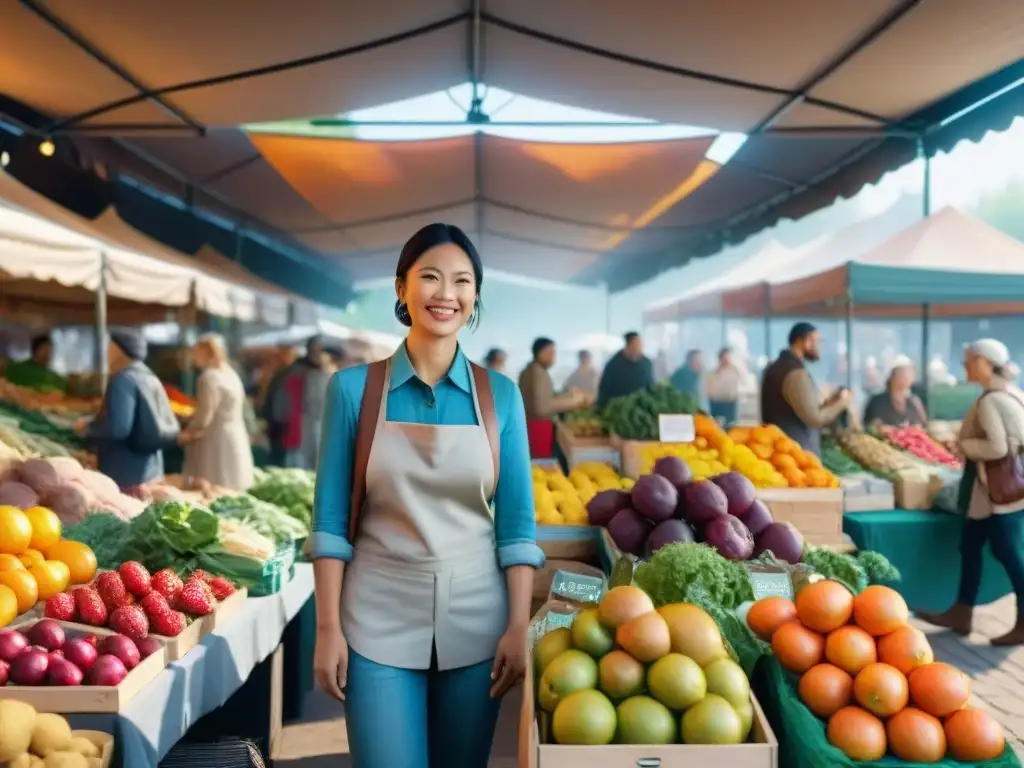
(136, 578)
(169, 623)
(61, 607)
(130, 620)
(222, 588)
(199, 573)
(167, 583)
(196, 599)
(90, 606)
(154, 603)
(112, 590)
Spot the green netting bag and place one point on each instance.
(801, 735)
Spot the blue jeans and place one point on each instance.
(723, 411)
(419, 718)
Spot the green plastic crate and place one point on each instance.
(277, 572)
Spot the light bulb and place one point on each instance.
(5, 159)
(46, 148)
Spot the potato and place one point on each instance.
(17, 720)
(83, 746)
(51, 733)
(65, 760)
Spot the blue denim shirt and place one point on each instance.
(111, 430)
(514, 529)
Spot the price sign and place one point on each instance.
(771, 585)
(676, 428)
(576, 587)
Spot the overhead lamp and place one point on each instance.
(46, 148)
(5, 159)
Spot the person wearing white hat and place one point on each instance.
(992, 430)
(897, 406)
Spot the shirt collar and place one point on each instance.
(402, 370)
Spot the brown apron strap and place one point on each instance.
(485, 395)
(369, 410)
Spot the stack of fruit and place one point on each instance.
(628, 672)
(30, 739)
(585, 423)
(917, 442)
(133, 603)
(35, 562)
(798, 468)
(873, 677)
(45, 653)
(561, 500)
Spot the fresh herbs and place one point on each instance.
(674, 569)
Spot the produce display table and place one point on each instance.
(160, 715)
(925, 547)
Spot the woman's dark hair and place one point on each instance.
(429, 237)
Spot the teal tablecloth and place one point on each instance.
(925, 546)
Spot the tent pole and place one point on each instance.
(100, 362)
(768, 322)
(926, 322)
(926, 182)
(849, 340)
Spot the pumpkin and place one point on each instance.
(880, 610)
(824, 606)
(857, 734)
(796, 647)
(825, 690)
(906, 649)
(939, 689)
(916, 736)
(974, 736)
(882, 690)
(851, 649)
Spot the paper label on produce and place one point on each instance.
(576, 587)
(676, 428)
(771, 585)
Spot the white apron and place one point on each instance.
(425, 570)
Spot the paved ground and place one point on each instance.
(998, 673)
(320, 742)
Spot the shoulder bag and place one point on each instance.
(1004, 478)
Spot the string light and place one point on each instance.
(5, 159)
(46, 148)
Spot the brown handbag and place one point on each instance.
(369, 409)
(1004, 478)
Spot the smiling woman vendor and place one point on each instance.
(423, 585)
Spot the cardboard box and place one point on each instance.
(568, 542)
(816, 512)
(760, 752)
(103, 741)
(86, 698)
(581, 450)
(916, 490)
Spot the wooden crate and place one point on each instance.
(65, 700)
(760, 752)
(816, 512)
(192, 635)
(580, 450)
(103, 741)
(568, 542)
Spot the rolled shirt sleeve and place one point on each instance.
(515, 531)
(329, 537)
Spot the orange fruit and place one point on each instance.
(824, 606)
(52, 577)
(973, 736)
(768, 614)
(916, 736)
(796, 647)
(46, 528)
(806, 460)
(15, 530)
(880, 610)
(31, 557)
(882, 690)
(80, 560)
(795, 478)
(761, 450)
(906, 649)
(939, 689)
(825, 689)
(23, 585)
(10, 563)
(857, 734)
(851, 649)
(8, 605)
(783, 461)
(816, 477)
